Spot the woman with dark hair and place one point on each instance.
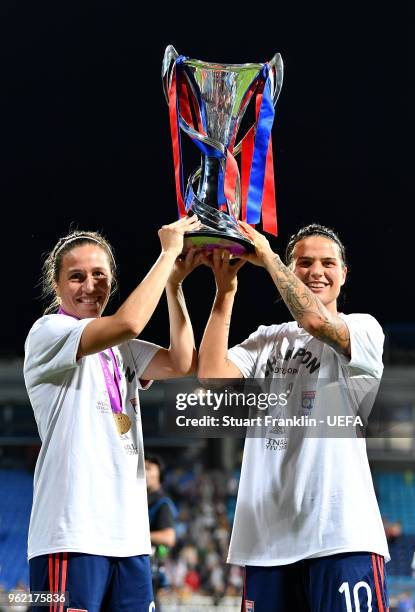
(89, 530)
(307, 526)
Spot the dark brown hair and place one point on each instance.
(314, 229)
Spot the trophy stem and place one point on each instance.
(208, 185)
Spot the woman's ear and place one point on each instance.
(56, 289)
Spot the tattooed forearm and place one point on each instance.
(299, 299)
(308, 309)
(336, 335)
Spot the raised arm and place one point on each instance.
(180, 359)
(213, 351)
(306, 307)
(133, 315)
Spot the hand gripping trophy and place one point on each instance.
(207, 101)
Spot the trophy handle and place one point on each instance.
(169, 59)
(276, 67)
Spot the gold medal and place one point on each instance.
(122, 422)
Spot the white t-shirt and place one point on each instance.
(302, 496)
(90, 491)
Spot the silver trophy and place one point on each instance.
(210, 100)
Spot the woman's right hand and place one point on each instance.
(171, 236)
(225, 272)
(263, 251)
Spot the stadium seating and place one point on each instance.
(15, 504)
(396, 497)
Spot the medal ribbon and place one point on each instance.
(112, 382)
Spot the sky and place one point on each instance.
(85, 143)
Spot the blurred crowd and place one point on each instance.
(206, 503)
(197, 564)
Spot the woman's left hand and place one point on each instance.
(183, 266)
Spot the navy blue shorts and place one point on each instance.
(94, 583)
(348, 582)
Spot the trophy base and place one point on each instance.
(208, 240)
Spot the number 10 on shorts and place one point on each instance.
(345, 588)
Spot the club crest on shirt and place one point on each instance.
(307, 400)
(249, 606)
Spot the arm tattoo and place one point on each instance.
(336, 335)
(302, 303)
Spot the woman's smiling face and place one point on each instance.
(84, 283)
(318, 264)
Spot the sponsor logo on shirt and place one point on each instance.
(249, 606)
(276, 444)
(134, 402)
(128, 374)
(77, 610)
(279, 430)
(131, 449)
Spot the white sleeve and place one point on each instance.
(51, 347)
(245, 355)
(142, 353)
(366, 345)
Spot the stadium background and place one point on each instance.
(85, 143)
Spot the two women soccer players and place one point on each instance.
(305, 541)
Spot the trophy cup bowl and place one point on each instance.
(220, 94)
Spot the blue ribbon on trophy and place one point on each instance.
(207, 101)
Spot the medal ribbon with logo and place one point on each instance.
(112, 382)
